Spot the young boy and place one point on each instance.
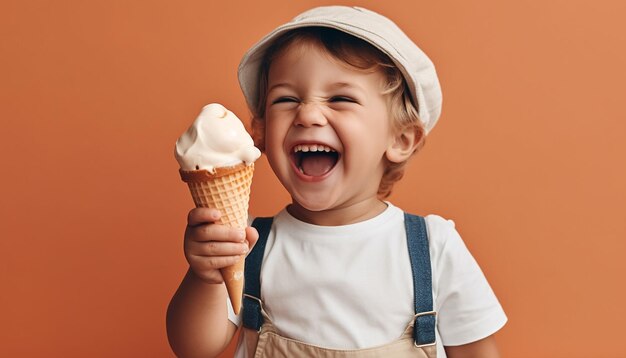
(341, 99)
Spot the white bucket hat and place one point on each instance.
(417, 69)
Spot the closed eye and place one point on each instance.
(342, 99)
(284, 100)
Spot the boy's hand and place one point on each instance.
(210, 246)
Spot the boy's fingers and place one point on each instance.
(214, 262)
(199, 216)
(218, 248)
(216, 232)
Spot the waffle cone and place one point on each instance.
(228, 190)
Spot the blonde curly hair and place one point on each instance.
(361, 56)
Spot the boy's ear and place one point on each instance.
(258, 133)
(403, 145)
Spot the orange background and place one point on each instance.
(528, 159)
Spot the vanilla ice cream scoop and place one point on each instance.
(217, 138)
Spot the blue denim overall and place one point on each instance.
(418, 339)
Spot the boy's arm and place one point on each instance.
(484, 348)
(197, 319)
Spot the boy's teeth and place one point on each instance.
(312, 148)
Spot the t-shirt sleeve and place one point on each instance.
(467, 308)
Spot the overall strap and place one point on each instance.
(252, 317)
(425, 316)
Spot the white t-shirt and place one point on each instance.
(351, 286)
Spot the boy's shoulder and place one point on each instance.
(439, 222)
(438, 227)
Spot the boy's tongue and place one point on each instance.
(316, 165)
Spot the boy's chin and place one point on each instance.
(306, 207)
(307, 211)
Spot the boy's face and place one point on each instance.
(327, 130)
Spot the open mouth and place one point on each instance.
(314, 160)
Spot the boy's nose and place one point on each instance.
(309, 115)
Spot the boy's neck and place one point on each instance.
(337, 216)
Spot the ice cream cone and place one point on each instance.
(228, 190)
